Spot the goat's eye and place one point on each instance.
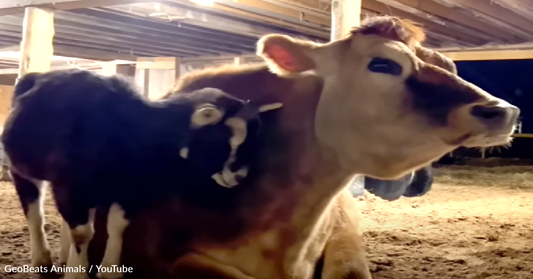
(385, 66)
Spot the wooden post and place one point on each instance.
(346, 14)
(37, 47)
(36, 53)
(146, 82)
(110, 68)
(157, 75)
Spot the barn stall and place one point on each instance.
(475, 221)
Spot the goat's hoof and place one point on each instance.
(109, 275)
(60, 266)
(63, 259)
(43, 259)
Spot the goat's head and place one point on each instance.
(221, 126)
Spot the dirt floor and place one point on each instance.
(469, 232)
(455, 231)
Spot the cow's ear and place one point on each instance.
(432, 57)
(286, 55)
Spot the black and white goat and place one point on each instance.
(99, 143)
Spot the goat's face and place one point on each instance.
(221, 130)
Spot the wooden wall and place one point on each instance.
(6, 93)
(162, 73)
(159, 82)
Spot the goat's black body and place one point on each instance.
(96, 134)
(98, 142)
(419, 185)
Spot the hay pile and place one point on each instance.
(514, 177)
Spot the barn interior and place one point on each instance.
(473, 224)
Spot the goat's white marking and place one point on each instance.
(40, 250)
(205, 114)
(269, 107)
(81, 236)
(64, 242)
(3, 156)
(226, 177)
(184, 153)
(411, 178)
(116, 224)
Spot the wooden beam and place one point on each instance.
(111, 68)
(161, 63)
(412, 8)
(11, 48)
(294, 13)
(127, 70)
(193, 17)
(276, 21)
(458, 16)
(37, 47)
(481, 55)
(214, 58)
(523, 136)
(157, 75)
(262, 18)
(11, 7)
(11, 71)
(381, 8)
(502, 15)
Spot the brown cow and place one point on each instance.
(374, 103)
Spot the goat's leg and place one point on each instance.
(344, 254)
(80, 220)
(31, 195)
(116, 225)
(64, 242)
(81, 234)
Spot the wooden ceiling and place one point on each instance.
(452, 25)
(449, 23)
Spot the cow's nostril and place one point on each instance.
(497, 117)
(489, 113)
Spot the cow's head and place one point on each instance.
(389, 105)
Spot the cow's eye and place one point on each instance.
(385, 66)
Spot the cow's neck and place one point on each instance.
(300, 179)
(307, 176)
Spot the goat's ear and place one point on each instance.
(25, 84)
(286, 55)
(269, 107)
(206, 114)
